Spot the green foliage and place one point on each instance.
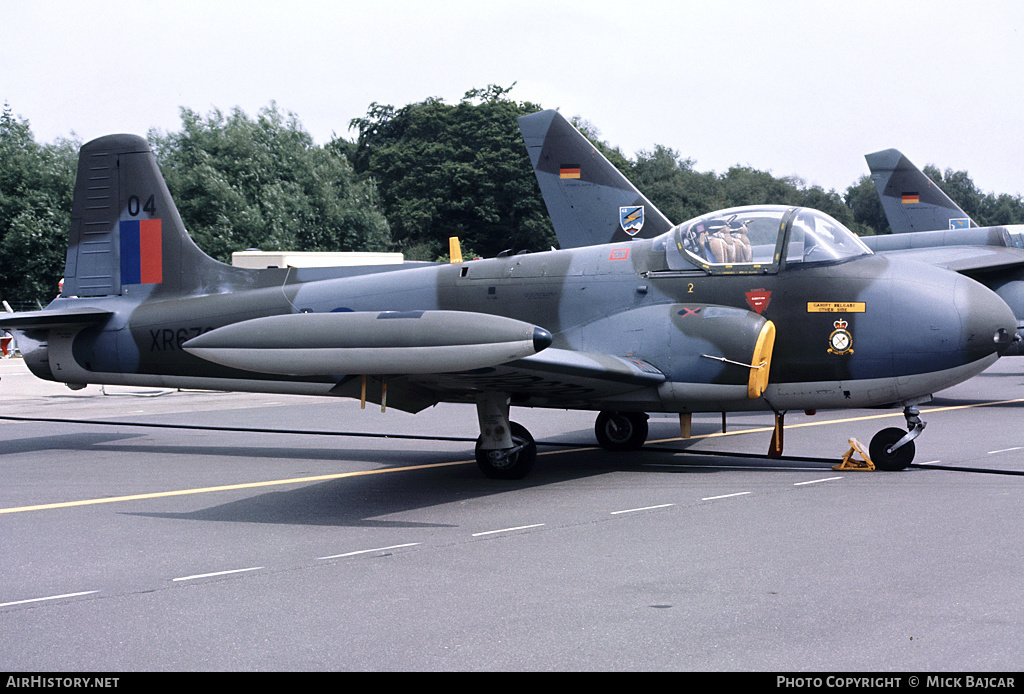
(243, 183)
(987, 209)
(36, 183)
(863, 201)
(671, 183)
(459, 170)
(681, 193)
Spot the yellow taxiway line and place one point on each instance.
(222, 488)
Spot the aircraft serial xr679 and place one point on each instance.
(803, 316)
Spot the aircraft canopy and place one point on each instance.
(743, 239)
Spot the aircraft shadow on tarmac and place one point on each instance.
(60, 442)
(365, 500)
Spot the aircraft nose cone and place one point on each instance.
(946, 322)
(987, 323)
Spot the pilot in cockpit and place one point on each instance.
(741, 242)
(723, 241)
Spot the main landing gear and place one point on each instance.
(505, 450)
(621, 431)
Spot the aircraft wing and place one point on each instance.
(965, 258)
(960, 250)
(565, 378)
(423, 356)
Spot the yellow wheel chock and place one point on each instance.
(851, 463)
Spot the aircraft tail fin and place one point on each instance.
(911, 201)
(126, 234)
(590, 202)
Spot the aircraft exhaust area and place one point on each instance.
(171, 533)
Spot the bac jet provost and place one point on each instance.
(806, 318)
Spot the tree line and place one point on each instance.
(412, 177)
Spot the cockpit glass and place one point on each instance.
(814, 237)
(743, 239)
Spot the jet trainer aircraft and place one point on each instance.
(928, 226)
(805, 318)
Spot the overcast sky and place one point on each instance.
(794, 87)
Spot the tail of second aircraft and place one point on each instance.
(590, 202)
(127, 237)
(912, 202)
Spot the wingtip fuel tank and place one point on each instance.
(370, 342)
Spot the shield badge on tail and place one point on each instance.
(632, 219)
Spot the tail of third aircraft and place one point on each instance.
(912, 202)
(127, 237)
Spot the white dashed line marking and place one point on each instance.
(645, 508)
(50, 597)
(508, 530)
(824, 479)
(216, 573)
(368, 551)
(725, 496)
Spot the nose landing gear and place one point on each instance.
(892, 448)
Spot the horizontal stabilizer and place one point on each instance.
(373, 343)
(59, 318)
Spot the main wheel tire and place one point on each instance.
(621, 431)
(502, 465)
(898, 459)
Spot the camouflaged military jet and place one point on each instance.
(928, 226)
(801, 316)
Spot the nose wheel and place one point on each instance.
(893, 448)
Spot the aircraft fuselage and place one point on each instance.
(905, 327)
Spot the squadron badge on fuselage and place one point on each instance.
(840, 341)
(632, 219)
